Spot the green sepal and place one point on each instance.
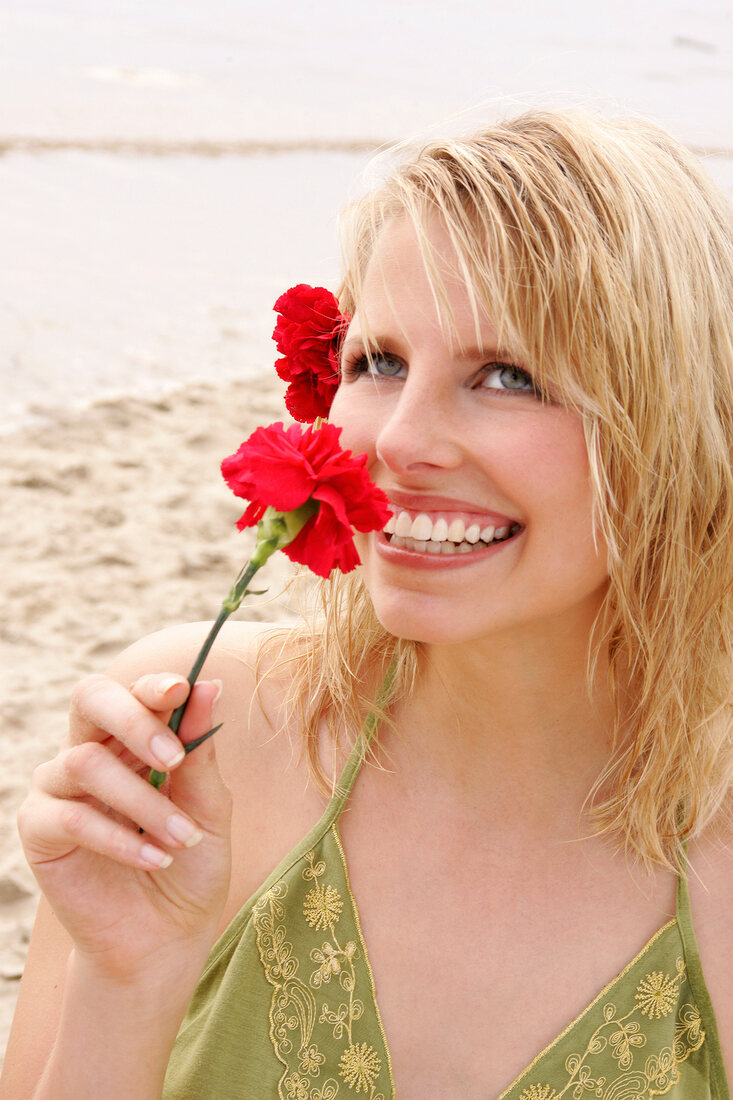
(200, 740)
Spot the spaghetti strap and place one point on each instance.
(358, 754)
(697, 981)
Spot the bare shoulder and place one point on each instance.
(247, 714)
(711, 901)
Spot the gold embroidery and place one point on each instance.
(657, 994)
(656, 998)
(330, 959)
(623, 1040)
(359, 1066)
(688, 1032)
(328, 1092)
(588, 1010)
(583, 1081)
(539, 1092)
(339, 845)
(322, 907)
(662, 1072)
(293, 1005)
(297, 1087)
(311, 1061)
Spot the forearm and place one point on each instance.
(114, 1040)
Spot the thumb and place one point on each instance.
(196, 784)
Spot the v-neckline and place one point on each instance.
(333, 813)
(504, 1095)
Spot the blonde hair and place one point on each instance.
(602, 249)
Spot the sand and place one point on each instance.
(115, 523)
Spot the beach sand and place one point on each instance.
(116, 523)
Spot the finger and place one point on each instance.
(90, 769)
(161, 691)
(100, 708)
(200, 710)
(51, 829)
(196, 785)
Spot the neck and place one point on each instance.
(510, 719)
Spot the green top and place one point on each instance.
(287, 1006)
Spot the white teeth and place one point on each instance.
(457, 530)
(421, 533)
(403, 527)
(422, 527)
(432, 546)
(440, 530)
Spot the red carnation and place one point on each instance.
(308, 333)
(283, 469)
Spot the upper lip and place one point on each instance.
(428, 502)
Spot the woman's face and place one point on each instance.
(460, 442)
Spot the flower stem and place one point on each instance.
(231, 603)
(274, 531)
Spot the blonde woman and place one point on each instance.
(443, 850)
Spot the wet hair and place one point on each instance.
(602, 250)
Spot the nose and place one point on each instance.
(420, 430)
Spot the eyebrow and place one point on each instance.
(485, 352)
(470, 354)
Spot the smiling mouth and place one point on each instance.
(455, 539)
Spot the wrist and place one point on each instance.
(115, 1033)
(163, 986)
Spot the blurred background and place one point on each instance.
(167, 169)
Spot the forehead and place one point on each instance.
(416, 278)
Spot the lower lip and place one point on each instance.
(420, 559)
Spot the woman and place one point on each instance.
(540, 370)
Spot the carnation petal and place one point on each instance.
(283, 468)
(304, 401)
(322, 547)
(307, 335)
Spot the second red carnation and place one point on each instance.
(308, 333)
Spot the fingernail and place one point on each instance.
(155, 856)
(216, 698)
(167, 683)
(183, 830)
(166, 750)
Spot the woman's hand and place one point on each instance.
(135, 903)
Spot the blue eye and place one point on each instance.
(514, 379)
(376, 365)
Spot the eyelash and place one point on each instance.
(360, 364)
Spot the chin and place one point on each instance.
(415, 624)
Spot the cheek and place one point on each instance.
(559, 490)
(560, 457)
(357, 427)
(573, 506)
